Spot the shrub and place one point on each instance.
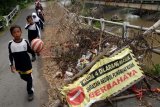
(2, 21)
(97, 24)
(156, 69)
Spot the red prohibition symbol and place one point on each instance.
(76, 96)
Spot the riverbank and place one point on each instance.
(61, 53)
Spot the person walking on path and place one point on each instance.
(38, 6)
(40, 14)
(37, 20)
(33, 29)
(19, 58)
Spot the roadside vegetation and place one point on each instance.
(6, 6)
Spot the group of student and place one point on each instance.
(19, 48)
(35, 23)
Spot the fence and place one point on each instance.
(10, 16)
(124, 25)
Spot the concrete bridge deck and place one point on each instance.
(153, 7)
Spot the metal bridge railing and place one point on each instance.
(124, 25)
(10, 16)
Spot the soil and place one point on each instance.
(53, 16)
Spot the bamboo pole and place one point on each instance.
(157, 51)
(123, 97)
(152, 28)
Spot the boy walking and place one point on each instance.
(19, 58)
(33, 29)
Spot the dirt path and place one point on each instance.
(53, 15)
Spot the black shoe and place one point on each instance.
(30, 97)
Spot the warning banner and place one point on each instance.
(108, 77)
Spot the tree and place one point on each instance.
(6, 6)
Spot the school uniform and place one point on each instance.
(18, 55)
(37, 20)
(33, 32)
(40, 15)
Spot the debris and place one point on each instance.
(69, 74)
(58, 75)
(77, 48)
(90, 65)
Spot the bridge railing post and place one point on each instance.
(124, 30)
(102, 24)
(90, 21)
(17, 7)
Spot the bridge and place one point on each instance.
(152, 5)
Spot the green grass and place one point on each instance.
(156, 69)
(97, 24)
